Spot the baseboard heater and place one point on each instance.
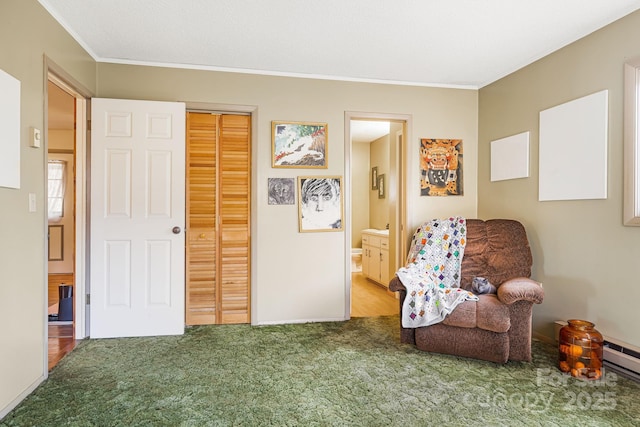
(621, 359)
(618, 356)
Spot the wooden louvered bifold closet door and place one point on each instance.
(218, 221)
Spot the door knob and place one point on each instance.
(176, 230)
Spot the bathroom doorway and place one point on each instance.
(376, 205)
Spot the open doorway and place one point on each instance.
(376, 202)
(61, 214)
(65, 130)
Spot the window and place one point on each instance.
(56, 185)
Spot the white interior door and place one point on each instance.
(137, 218)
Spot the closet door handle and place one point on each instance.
(176, 230)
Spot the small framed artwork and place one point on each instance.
(282, 191)
(299, 144)
(374, 178)
(320, 203)
(381, 187)
(56, 243)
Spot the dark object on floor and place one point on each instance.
(65, 307)
(496, 328)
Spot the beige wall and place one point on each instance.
(60, 139)
(360, 187)
(27, 32)
(300, 277)
(586, 258)
(379, 208)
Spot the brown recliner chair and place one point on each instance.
(496, 328)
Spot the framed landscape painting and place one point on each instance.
(299, 144)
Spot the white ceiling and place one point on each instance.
(454, 43)
(368, 130)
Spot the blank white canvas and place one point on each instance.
(573, 149)
(9, 131)
(510, 157)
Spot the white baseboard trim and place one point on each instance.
(289, 322)
(15, 402)
(543, 338)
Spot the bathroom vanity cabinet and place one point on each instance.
(375, 255)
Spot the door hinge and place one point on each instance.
(88, 299)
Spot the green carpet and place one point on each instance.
(353, 373)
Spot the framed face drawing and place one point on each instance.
(320, 203)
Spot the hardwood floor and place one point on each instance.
(61, 336)
(370, 299)
(61, 342)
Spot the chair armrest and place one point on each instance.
(396, 285)
(521, 289)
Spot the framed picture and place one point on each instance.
(299, 144)
(282, 191)
(381, 189)
(320, 203)
(631, 137)
(374, 178)
(56, 243)
(441, 167)
(9, 131)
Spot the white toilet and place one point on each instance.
(356, 259)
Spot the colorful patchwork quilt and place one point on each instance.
(432, 273)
